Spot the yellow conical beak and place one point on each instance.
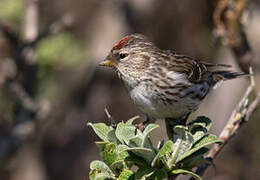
(108, 62)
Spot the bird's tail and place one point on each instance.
(219, 76)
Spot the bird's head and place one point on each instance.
(130, 56)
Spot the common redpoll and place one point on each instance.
(163, 83)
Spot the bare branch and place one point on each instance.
(239, 116)
(228, 26)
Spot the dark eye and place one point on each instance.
(123, 55)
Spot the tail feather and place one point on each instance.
(219, 76)
(226, 75)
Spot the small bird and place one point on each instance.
(163, 83)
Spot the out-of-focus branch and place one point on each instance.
(23, 90)
(31, 24)
(22, 97)
(22, 81)
(228, 26)
(9, 33)
(65, 22)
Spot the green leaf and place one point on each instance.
(199, 127)
(144, 153)
(160, 174)
(101, 145)
(133, 158)
(165, 150)
(144, 173)
(101, 130)
(113, 154)
(125, 133)
(205, 141)
(183, 171)
(119, 161)
(136, 141)
(100, 171)
(111, 135)
(100, 166)
(188, 161)
(101, 176)
(183, 141)
(196, 161)
(146, 132)
(126, 175)
(109, 153)
(130, 121)
(202, 121)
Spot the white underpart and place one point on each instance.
(149, 101)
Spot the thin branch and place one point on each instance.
(239, 116)
(228, 26)
(65, 22)
(22, 96)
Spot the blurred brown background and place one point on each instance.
(57, 77)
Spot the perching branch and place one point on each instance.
(228, 26)
(238, 118)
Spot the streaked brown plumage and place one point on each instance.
(164, 84)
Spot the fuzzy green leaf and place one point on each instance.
(201, 121)
(205, 141)
(144, 173)
(146, 141)
(134, 159)
(199, 127)
(165, 150)
(144, 153)
(197, 161)
(101, 130)
(113, 155)
(100, 170)
(101, 176)
(130, 121)
(183, 141)
(101, 145)
(188, 161)
(111, 135)
(126, 175)
(125, 133)
(109, 153)
(183, 171)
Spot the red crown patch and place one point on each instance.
(121, 42)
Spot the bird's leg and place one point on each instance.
(148, 119)
(170, 123)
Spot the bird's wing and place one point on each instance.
(196, 71)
